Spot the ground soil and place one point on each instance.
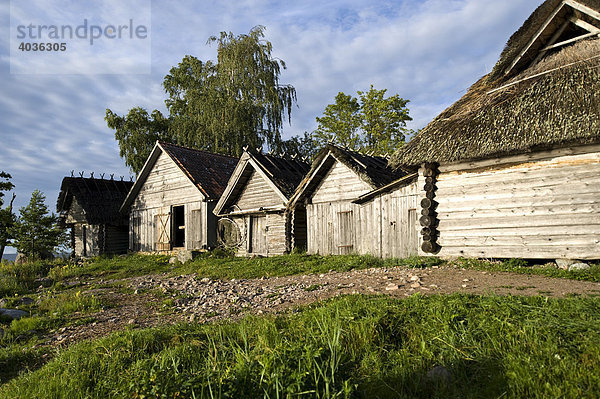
(162, 299)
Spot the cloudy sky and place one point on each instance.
(51, 121)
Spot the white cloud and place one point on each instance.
(427, 51)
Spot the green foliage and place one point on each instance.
(19, 278)
(36, 232)
(137, 132)
(372, 122)
(7, 217)
(353, 346)
(217, 106)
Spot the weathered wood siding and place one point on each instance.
(263, 233)
(167, 186)
(384, 226)
(340, 184)
(544, 205)
(258, 193)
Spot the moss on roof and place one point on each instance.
(553, 103)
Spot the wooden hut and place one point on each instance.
(90, 208)
(512, 169)
(170, 206)
(356, 203)
(252, 208)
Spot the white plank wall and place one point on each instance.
(549, 208)
(167, 186)
(380, 227)
(340, 183)
(258, 193)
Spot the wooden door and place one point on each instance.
(258, 234)
(162, 228)
(345, 232)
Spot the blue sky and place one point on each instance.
(428, 51)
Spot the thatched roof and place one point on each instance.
(373, 170)
(520, 107)
(99, 198)
(285, 174)
(207, 171)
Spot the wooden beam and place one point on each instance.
(552, 40)
(584, 25)
(563, 43)
(535, 37)
(583, 9)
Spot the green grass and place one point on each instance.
(521, 266)
(20, 278)
(355, 346)
(221, 265)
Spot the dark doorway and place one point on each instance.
(178, 226)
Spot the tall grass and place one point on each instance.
(17, 278)
(354, 346)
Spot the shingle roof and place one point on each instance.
(553, 103)
(209, 172)
(285, 173)
(374, 170)
(99, 198)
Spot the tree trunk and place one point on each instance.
(3, 241)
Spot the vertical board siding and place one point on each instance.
(263, 233)
(546, 209)
(385, 227)
(167, 186)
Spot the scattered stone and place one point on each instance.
(464, 286)
(578, 266)
(439, 373)
(131, 321)
(466, 280)
(3, 303)
(414, 278)
(205, 280)
(391, 287)
(173, 260)
(192, 318)
(186, 256)
(13, 314)
(433, 285)
(136, 292)
(415, 285)
(565, 263)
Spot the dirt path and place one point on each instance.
(159, 299)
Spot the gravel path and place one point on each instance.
(160, 299)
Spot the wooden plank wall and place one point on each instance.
(166, 186)
(259, 193)
(380, 227)
(545, 208)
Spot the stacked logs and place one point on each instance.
(429, 220)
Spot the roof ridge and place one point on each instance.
(195, 149)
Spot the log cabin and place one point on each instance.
(170, 205)
(512, 169)
(89, 207)
(252, 208)
(356, 203)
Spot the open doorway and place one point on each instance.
(178, 219)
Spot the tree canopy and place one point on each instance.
(36, 232)
(7, 217)
(219, 106)
(371, 122)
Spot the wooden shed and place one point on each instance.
(512, 169)
(356, 203)
(252, 208)
(170, 206)
(90, 208)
